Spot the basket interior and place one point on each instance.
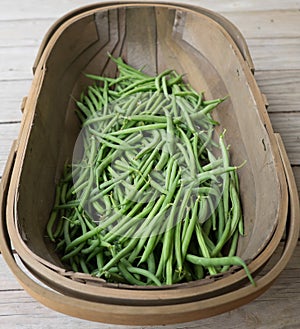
(154, 38)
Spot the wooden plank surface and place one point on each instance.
(282, 89)
(272, 31)
(20, 10)
(288, 125)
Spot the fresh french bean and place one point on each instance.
(153, 198)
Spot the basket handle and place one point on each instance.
(95, 311)
(231, 29)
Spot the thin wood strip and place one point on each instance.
(296, 170)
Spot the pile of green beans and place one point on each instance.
(150, 197)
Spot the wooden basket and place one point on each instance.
(154, 314)
(214, 57)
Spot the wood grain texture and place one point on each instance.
(267, 24)
(11, 95)
(16, 63)
(282, 89)
(11, 10)
(282, 54)
(23, 33)
(288, 125)
(8, 132)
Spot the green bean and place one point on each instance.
(213, 165)
(190, 152)
(139, 129)
(232, 249)
(121, 145)
(84, 109)
(125, 224)
(96, 104)
(74, 265)
(220, 261)
(156, 108)
(170, 134)
(150, 180)
(83, 266)
(159, 77)
(186, 116)
(222, 239)
(169, 266)
(168, 172)
(98, 77)
(203, 248)
(151, 243)
(72, 253)
(236, 209)
(91, 248)
(66, 232)
(145, 273)
(123, 253)
(97, 251)
(170, 230)
(105, 96)
(151, 264)
(54, 213)
(225, 175)
(164, 157)
(154, 211)
(82, 238)
(137, 83)
(59, 226)
(190, 229)
(128, 276)
(195, 150)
